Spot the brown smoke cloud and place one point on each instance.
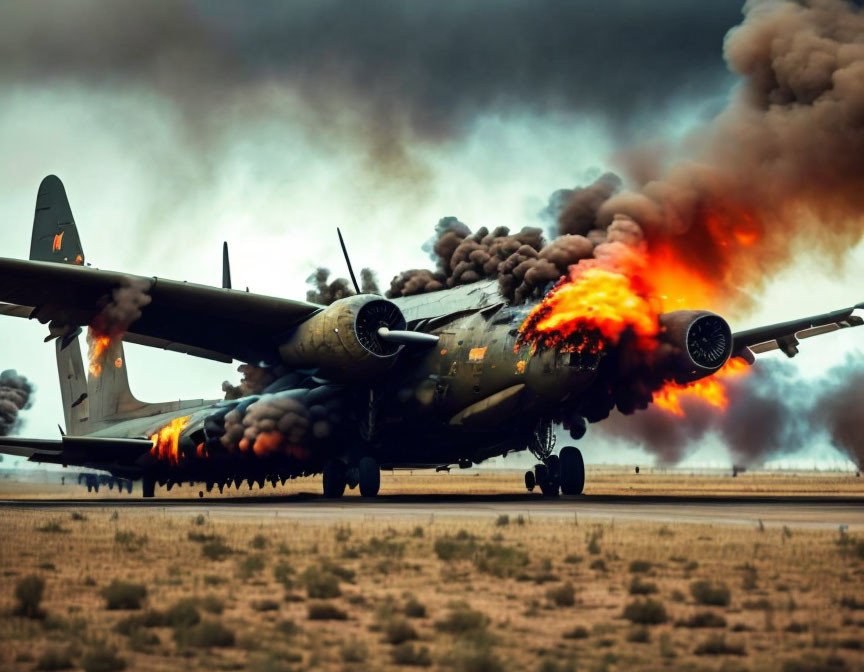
(111, 322)
(16, 395)
(255, 380)
(325, 291)
(780, 169)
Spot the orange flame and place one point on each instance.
(58, 242)
(592, 307)
(98, 345)
(711, 390)
(166, 441)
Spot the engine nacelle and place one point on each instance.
(342, 341)
(702, 342)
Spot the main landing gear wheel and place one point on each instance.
(545, 476)
(572, 471)
(530, 481)
(370, 477)
(335, 479)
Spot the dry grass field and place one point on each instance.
(482, 594)
(600, 480)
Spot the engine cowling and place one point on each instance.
(702, 341)
(342, 341)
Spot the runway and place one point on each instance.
(794, 512)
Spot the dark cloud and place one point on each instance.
(432, 67)
(16, 394)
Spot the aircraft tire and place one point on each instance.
(370, 477)
(572, 471)
(335, 479)
(530, 481)
(546, 480)
(148, 487)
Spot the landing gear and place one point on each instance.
(335, 479)
(148, 487)
(549, 476)
(572, 469)
(530, 481)
(369, 477)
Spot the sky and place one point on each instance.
(177, 125)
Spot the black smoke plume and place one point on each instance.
(16, 395)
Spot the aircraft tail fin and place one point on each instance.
(55, 236)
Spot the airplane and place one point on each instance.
(364, 384)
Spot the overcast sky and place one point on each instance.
(175, 126)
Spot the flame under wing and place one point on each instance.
(204, 321)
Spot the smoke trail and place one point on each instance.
(16, 394)
(118, 312)
(767, 416)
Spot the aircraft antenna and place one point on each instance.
(226, 267)
(348, 261)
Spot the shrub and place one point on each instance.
(212, 604)
(320, 584)
(102, 658)
(149, 619)
(573, 559)
(282, 572)
(28, 592)
(563, 595)
(449, 548)
(462, 620)
(216, 549)
(417, 532)
(288, 628)
(499, 560)
(851, 602)
(77, 515)
(594, 541)
(182, 614)
(353, 651)
(414, 609)
(579, 632)
(406, 654)
(205, 635)
(796, 627)
(259, 542)
(398, 630)
(639, 587)
(52, 527)
(202, 537)
(55, 658)
(477, 659)
(716, 645)
(384, 548)
(324, 611)
(141, 640)
(640, 566)
(266, 605)
(249, 566)
(810, 663)
(122, 595)
(639, 635)
(645, 612)
(598, 565)
(703, 619)
(711, 594)
(199, 519)
(503, 520)
(129, 540)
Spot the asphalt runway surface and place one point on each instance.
(800, 512)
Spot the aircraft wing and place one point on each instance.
(199, 320)
(81, 451)
(785, 335)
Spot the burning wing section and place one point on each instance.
(785, 336)
(200, 320)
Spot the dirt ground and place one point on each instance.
(480, 594)
(600, 480)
